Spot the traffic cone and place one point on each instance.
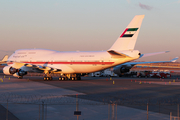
(169, 82)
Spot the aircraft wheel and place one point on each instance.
(66, 78)
(45, 78)
(63, 78)
(60, 78)
(72, 78)
(20, 77)
(78, 78)
(50, 78)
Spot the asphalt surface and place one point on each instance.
(131, 92)
(3, 114)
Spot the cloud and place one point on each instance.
(128, 1)
(147, 7)
(176, 2)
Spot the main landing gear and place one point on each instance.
(70, 77)
(73, 77)
(47, 76)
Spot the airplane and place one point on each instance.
(123, 68)
(4, 60)
(70, 65)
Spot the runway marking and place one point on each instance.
(165, 83)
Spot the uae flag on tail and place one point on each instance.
(129, 32)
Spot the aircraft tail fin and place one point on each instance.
(127, 39)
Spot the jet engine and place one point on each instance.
(21, 72)
(8, 70)
(122, 69)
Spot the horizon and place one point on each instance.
(85, 25)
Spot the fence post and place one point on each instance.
(45, 111)
(108, 110)
(147, 111)
(39, 111)
(7, 111)
(116, 110)
(178, 111)
(112, 111)
(77, 105)
(42, 110)
(170, 115)
(159, 107)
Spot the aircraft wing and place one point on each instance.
(37, 67)
(150, 54)
(123, 68)
(44, 68)
(134, 63)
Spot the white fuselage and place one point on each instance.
(69, 62)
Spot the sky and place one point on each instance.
(88, 25)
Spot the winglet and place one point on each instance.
(174, 59)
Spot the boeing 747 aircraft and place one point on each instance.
(69, 65)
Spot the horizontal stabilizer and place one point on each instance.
(115, 54)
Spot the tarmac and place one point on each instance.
(98, 98)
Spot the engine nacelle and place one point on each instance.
(8, 70)
(21, 72)
(121, 69)
(124, 70)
